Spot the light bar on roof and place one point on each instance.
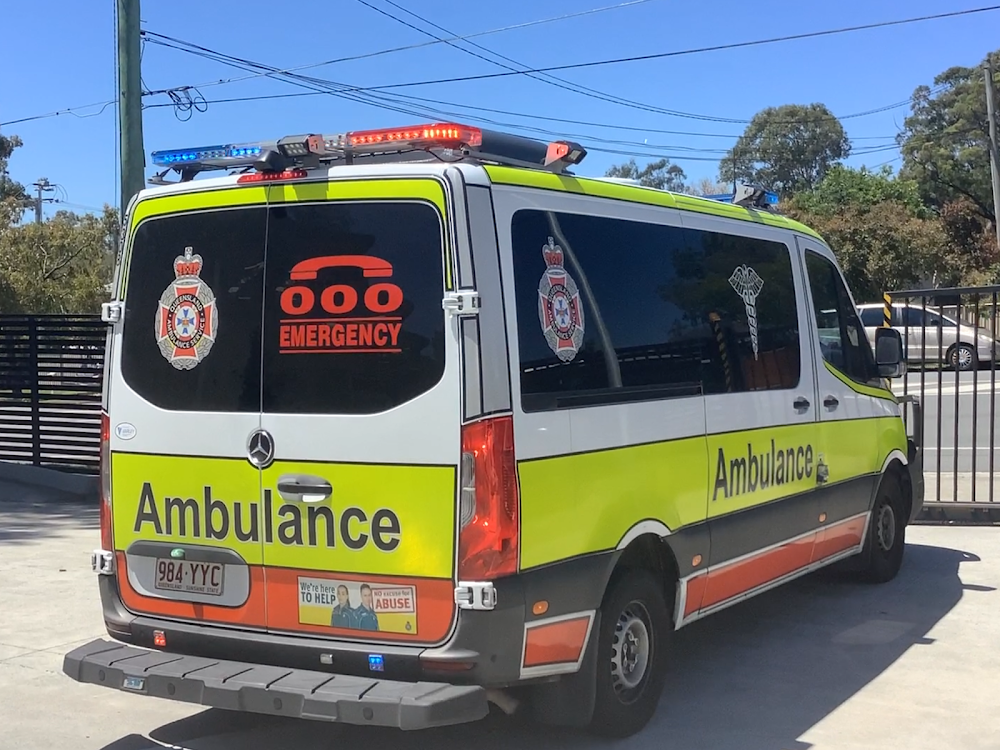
(244, 152)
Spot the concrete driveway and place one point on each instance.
(823, 663)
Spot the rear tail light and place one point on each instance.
(488, 501)
(107, 540)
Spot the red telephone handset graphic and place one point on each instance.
(382, 298)
(372, 267)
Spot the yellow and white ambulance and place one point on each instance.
(402, 422)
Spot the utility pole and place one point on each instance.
(133, 159)
(991, 114)
(42, 186)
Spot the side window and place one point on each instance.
(841, 334)
(611, 310)
(916, 318)
(871, 317)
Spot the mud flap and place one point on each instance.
(570, 700)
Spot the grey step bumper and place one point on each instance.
(297, 693)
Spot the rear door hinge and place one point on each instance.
(111, 312)
(464, 302)
(476, 595)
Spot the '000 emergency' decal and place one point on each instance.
(341, 318)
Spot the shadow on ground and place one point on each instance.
(755, 677)
(28, 513)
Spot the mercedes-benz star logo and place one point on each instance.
(260, 449)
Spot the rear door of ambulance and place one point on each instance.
(360, 412)
(183, 401)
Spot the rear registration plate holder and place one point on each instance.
(188, 577)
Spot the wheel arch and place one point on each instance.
(645, 547)
(894, 468)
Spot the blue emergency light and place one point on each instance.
(180, 156)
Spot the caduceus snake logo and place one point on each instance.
(748, 284)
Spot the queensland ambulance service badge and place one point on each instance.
(186, 317)
(559, 309)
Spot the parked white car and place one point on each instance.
(929, 336)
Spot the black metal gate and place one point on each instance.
(51, 374)
(950, 339)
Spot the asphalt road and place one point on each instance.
(823, 663)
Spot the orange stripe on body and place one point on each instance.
(839, 537)
(732, 579)
(251, 614)
(737, 578)
(695, 594)
(555, 643)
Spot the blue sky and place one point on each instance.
(65, 52)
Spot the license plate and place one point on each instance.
(187, 577)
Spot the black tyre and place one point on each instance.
(963, 358)
(886, 533)
(632, 651)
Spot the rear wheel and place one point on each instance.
(886, 533)
(632, 650)
(963, 358)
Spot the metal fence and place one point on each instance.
(51, 370)
(950, 339)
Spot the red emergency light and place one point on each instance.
(442, 135)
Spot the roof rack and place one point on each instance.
(292, 156)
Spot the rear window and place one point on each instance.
(353, 322)
(346, 318)
(191, 326)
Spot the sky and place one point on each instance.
(64, 55)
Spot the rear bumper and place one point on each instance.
(279, 691)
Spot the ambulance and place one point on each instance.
(403, 424)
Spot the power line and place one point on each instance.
(637, 58)
(561, 83)
(69, 111)
(325, 88)
(698, 50)
(346, 91)
(584, 123)
(511, 27)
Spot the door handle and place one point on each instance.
(303, 488)
(831, 402)
(801, 403)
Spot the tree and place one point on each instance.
(972, 240)
(945, 140)
(11, 192)
(843, 186)
(884, 247)
(659, 174)
(880, 230)
(787, 148)
(60, 266)
(707, 186)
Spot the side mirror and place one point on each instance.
(889, 353)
